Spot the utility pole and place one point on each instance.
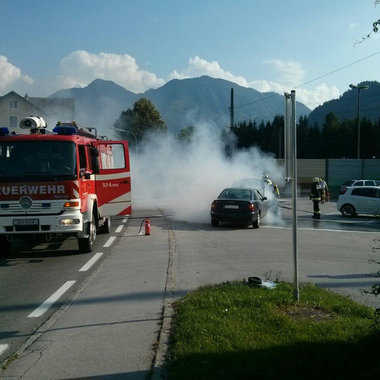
(232, 117)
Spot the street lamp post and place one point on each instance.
(131, 133)
(365, 87)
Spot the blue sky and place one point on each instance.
(269, 45)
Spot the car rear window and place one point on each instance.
(236, 194)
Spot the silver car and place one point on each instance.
(358, 182)
(359, 200)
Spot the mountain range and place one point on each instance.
(346, 107)
(181, 103)
(194, 101)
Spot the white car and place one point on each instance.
(359, 200)
(358, 182)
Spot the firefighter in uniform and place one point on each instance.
(269, 182)
(315, 196)
(325, 190)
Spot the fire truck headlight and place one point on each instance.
(68, 222)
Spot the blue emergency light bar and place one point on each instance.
(65, 129)
(71, 129)
(4, 131)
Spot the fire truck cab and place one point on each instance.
(60, 183)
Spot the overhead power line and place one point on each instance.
(312, 80)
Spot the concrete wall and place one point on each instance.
(334, 171)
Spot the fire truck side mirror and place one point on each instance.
(84, 174)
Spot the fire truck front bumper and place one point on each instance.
(67, 223)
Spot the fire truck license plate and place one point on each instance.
(25, 222)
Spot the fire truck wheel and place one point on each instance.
(106, 227)
(87, 244)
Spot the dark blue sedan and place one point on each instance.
(243, 206)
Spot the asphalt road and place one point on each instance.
(113, 312)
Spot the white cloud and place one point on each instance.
(290, 72)
(198, 66)
(80, 68)
(11, 78)
(291, 75)
(317, 96)
(311, 98)
(288, 75)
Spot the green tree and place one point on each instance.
(138, 121)
(303, 147)
(330, 136)
(186, 134)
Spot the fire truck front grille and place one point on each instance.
(53, 207)
(26, 228)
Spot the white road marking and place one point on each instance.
(3, 348)
(109, 241)
(125, 220)
(118, 229)
(51, 300)
(322, 229)
(91, 262)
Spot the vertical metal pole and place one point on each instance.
(358, 123)
(294, 193)
(287, 138)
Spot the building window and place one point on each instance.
(12, 103)
(13, 122)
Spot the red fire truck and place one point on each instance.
(60, 183)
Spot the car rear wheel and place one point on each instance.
(256, 223)
(348, 211)
(214, 222)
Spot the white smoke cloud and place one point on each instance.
(186, 179)
(11, 78)
(80, 68)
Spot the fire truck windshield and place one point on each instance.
(37, 160)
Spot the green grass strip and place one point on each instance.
(235, 331)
